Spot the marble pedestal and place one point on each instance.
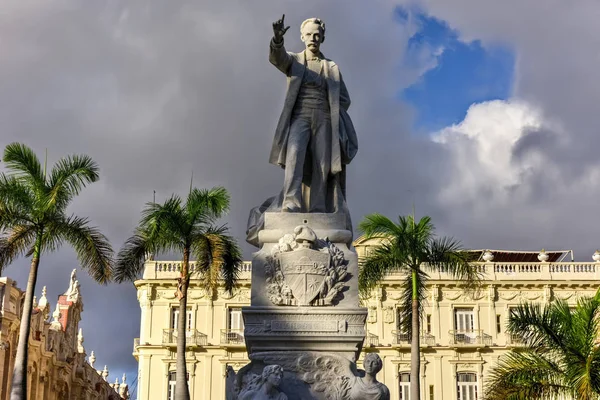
(304, 313)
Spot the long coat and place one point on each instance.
(344, 142)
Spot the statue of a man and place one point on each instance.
(315, 137)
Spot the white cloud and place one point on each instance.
(481, 148)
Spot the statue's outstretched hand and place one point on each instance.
(279, 29)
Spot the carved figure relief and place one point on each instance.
(265, 386)
(388, 315)
(304, 270)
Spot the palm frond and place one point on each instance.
(378, 225)
(14, 194)
(526, 375)
(204, 206)
(447, 255)
(93, 249)
(18, 242)
(377, 264)
(166, 223)
(69, 176)
(218, 257)
(130, 259)
(23, 162)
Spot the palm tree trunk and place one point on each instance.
(182, 391)
(415, 359)
(19, 379)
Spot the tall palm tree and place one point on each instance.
(561, 358)
(412, 248)
(33, 220)
(186, 228)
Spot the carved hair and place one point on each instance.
(317, 21)
(377, 360)
(271, 370)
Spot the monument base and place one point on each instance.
(304, 329)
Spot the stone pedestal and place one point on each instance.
(304, 314)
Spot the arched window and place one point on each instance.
(466, 383)
(405, 386)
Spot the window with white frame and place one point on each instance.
(235, 322)
(175, 320)
(464, 319)
(171, 384)
(466, 383)
(401, 331)
(405, 386)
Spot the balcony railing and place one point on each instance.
(514, 340)
(475, 337)
(528, 271)
(192, 337)
(172, 269)
(136, 344)
(232, 336)
(371, 340)
(405, 339)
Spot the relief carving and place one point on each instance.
(306, 271)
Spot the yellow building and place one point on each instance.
(57, 367)
(462, 334)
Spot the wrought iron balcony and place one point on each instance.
(405, 339)
(474, 337)
(192, 338)
(232, 336)
(371, 340)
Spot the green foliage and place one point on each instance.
(406, 246)
(179, 227)
(561, 357)
(33, 207)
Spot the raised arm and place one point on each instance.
(278, 56)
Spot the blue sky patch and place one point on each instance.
(463, 73)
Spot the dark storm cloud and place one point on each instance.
(154, 90)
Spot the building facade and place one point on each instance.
(462, 332)
(57, 365)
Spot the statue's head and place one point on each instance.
(272, 374)
(372, 363)
(312, 33)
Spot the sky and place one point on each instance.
(481, 113)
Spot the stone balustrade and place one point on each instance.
(172, 269)
(563, 271)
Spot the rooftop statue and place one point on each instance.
(314, 138)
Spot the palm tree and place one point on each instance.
(33, 220)
(187, 228)
(561, 358)
(412, 248)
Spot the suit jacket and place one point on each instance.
(344, 141)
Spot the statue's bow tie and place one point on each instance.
(314, 59)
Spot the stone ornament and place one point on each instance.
(264, 386)
(329, 376)
(304, 270)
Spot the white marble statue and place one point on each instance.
(315, 137)
(265, 386)
(367, 387)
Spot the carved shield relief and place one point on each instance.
(304, 272)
